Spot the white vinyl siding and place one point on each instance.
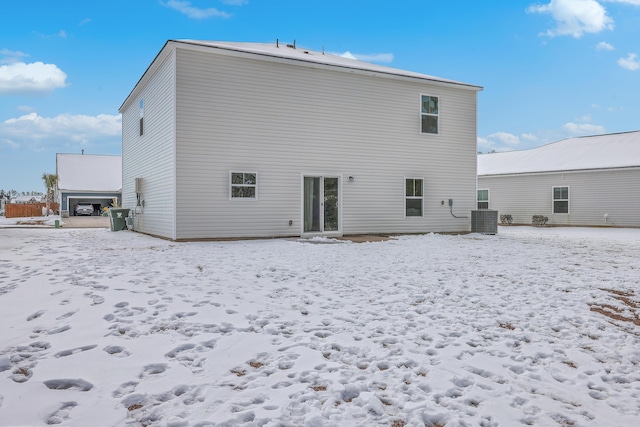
(598, 198)
(359, 125)
(150, 156)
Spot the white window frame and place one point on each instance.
(436, 115)
(554, 200)
(231, 185)
(406, 197)
(478, 201)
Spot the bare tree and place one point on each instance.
(50, 182)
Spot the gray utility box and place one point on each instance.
(484, 221)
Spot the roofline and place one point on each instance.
(558, 171)
(195, 44)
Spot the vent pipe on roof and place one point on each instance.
(83, 151)
(277, 44)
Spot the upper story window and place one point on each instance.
(483, 199)
(561, 200)
(244, 185)
(413, 196)
(141, 117)
(429, 116)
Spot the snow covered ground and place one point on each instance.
(534, 326)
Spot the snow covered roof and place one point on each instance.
(89, 172)
(286, 51)
(618, 150)
(283, 50)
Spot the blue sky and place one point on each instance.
(550, 69)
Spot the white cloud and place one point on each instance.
(633, 2)
(85, 21)
(583, 129)
(367, 57)
(604, 46)
(64, 130)
(193, 12)
(503, 141)
(33, 78)
(575, 17)
(631, 62)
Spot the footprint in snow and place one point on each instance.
(71, 351)
(61, 414)
(153, 369)
(68, 384)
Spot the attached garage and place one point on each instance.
(88, 179)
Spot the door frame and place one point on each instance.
(335, 233)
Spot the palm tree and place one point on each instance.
(51, 182)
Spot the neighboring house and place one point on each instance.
(28, 199)
(584, 181)
(96, 179)
(265, 140)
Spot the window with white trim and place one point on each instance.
(243, 185)
(413, 196)
(483, 199)
(561, 200)
(429, 114)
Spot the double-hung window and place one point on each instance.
(244, 185)
(413, 196)
(561, 200)
(483, 199)
(429, 114)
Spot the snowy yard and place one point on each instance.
(530, 327)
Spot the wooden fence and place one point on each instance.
(17, 210)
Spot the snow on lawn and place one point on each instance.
(534, 326)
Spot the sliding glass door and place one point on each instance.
(321, 204)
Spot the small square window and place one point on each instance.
(243, 185)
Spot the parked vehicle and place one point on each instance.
(84, 209)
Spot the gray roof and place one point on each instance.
(611, 151)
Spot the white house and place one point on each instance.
(237, 140)
(91, 178)
(584, 181)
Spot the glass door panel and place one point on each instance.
(330, 204)
(321, 198)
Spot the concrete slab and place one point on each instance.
(86, 222)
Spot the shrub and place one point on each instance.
(539, 220)
(506, 219)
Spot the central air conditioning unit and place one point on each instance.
(484, 221)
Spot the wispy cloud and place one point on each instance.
(64, 130)
(31, 79)
(235, 2)
(633, 2)
(9, 56)
(604, 46)
(631, 62)
(193, 12)
(575, 17)
(504, 141)
(368, 57)
(85, 21)
(577, 129)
